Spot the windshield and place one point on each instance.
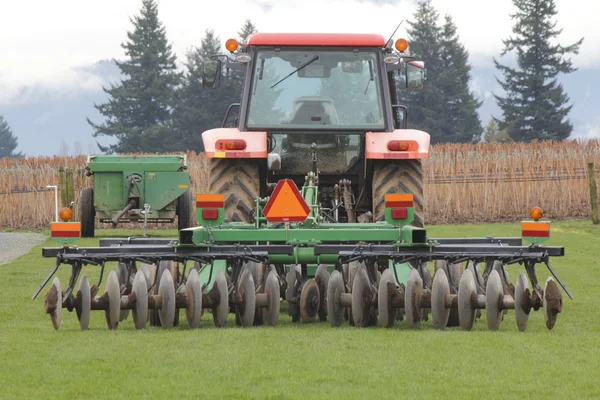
(302, 89)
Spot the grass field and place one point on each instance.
(307, 361)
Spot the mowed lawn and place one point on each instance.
(307, 361)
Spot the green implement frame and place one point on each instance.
(142, 189)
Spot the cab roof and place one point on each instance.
(316, 39)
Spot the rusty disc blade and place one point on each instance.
(335, 288)
(412, 299)
(271, 313)
(193, 294)
(114, 301)
(84, 303)
(552, 302)
(167, 293)
(361, 297)
(221, 310)
(521, 298)
(322, 278)
(246, 298)
(309, 301)
(140, 310)
(387, 287)
(493, 295)
(439, 290)
(466, 291)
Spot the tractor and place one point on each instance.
(336, 91)
(316, 197)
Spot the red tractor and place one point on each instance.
(318, 101)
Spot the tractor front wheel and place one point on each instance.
(87, 212)
(398, 176)
(239, 180)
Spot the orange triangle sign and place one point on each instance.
(286, 204)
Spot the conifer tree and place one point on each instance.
(8, 141)
(535, 104)
(138, 112)
(445, 108)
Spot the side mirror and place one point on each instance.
(211, 74)
(415, 75)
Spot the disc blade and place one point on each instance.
(466, 291)
(123, 275)
(221, 310)
(522, 308)
(494, 292)
(361, 297)
(439, 290)
(552, 302)
(53, 303)
(84, 303)
(167, 293)
(140, 310)
(291, 292)
(193, 294)
(322, 279)
(387, 288)
(335, 288)
(309, 301)
(271, 313)
(412, 299)
(246, 298)
(114, 300)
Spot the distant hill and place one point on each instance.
(52, 120)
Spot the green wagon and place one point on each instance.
(144, 189)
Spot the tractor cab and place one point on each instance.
(332, 98)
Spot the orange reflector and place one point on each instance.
(65, 214)
(65, 229)
(399, 200)
(286, 204)
(210, 201)
(535, 229)
(401, 45)
(536, 213)
(231, 45)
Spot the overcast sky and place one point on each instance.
(42, 41)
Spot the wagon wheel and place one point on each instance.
(87, 213)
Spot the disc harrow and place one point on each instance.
(365, 273)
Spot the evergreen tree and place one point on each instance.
(8, 141)
(445, 108)
(535, 105)
(192, 115)
(139, 110)
(424, 106)
(199, 109)
(492, 134)
(247, 29)
(462, 123)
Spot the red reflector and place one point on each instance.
(210, 214)
(399, 213)
(535, 233)
(236, 145)
(396, 145)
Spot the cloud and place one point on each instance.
(586, 131)
(47, 45)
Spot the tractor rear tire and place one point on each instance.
(398, 176)
(87, 213)
(185, 210)
(239, 180)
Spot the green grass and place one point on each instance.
(306, 361)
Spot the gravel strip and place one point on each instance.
(14, 245)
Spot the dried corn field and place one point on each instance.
(463, 183)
